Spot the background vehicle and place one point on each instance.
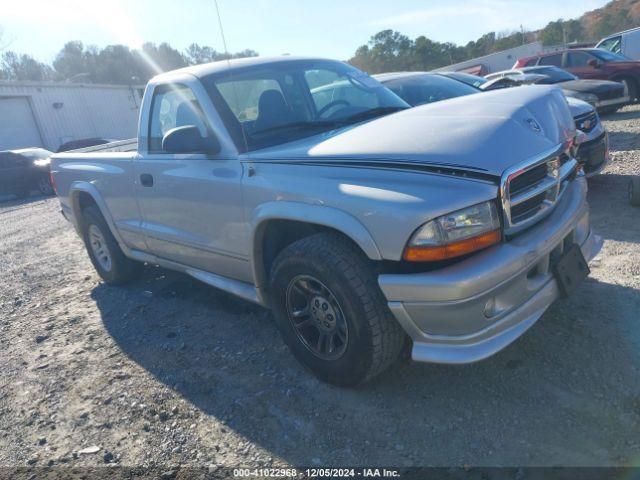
(419, 88)
(25, 170)
(605, 95)
(360, 221)
(83, 143)
(592, 63)
(625, 43)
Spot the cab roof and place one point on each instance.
(205, 69)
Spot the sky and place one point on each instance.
(328, 28)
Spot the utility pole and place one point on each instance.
(522, 31)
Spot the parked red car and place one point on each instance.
(592, 63)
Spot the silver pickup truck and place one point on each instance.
(365, 225)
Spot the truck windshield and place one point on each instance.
(554, 75)
(271, 104)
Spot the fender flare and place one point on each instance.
(307, 213)
(78, 187)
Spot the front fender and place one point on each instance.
(313, 214)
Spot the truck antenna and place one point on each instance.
(233, 84)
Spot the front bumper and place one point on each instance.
(472, 309)
(613, 102)
(593, 154)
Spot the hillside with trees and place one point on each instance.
(389, 50)
(115, 64)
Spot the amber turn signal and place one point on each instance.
(452, 250)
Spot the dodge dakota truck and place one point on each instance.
(368, 227)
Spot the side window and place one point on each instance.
(173, 106)
(531, 62)
(612, 44)
(578, 59)
(555, 60)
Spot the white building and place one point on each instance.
(47, 114)
(494, 62)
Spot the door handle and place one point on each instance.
(146, 180)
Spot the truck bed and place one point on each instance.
(130, 145)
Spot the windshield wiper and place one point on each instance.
(297, 126)
(372, 113)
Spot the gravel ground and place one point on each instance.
(168, 371)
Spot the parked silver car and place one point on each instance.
(363, 223)
(419, 88)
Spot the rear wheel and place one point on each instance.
(103, 249)
(331, 312)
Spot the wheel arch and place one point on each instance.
(291, 221)
(635, 82)
(83, 194)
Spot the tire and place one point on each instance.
(44, 186)
(103, 249)
(631, 88)
(365, 336)
(634, 191)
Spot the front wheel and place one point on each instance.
(103, 249)
(331, 312)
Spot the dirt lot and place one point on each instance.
(169, 371)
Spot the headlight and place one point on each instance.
(43, 162)
(585, 97)
(455, 234)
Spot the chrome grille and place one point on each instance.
(530, 190)
(587, 121)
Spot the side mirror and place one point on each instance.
(187, 139)
(592, 62)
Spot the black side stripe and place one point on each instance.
(397, 166)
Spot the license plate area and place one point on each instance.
(570, 270)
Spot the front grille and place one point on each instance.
(528, 178)
(528, 208)
(587, 121)
(530, 190)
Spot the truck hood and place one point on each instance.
(485, 134)
(578, 107)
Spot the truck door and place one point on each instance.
(191, 203)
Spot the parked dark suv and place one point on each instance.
(25, 170)
(592, 63)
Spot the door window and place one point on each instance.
(555, 60)
(173, 106)
(613, 44)
(578, 59)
